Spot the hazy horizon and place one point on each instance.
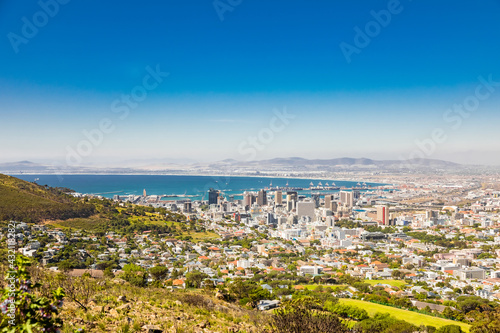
(158, 162)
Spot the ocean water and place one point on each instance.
(195, 187)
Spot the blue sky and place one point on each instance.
(228, 77)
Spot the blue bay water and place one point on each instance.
(196, 186)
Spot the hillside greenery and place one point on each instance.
(29, 202)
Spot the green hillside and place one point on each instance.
(28, 202)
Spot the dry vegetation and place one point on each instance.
(104, 305)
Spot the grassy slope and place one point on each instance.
(394, 283)
(21, 200)
(409, 316)
(94, 222)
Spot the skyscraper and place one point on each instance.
(278, 197)
(333, 206)
(306, 208)
(270, 219)
(262, 198)
(315, 198)
(248, 199)
(383, 214)
(292, 195)
(346, 197)
(291, 199)
(328, 199)
(212, 196)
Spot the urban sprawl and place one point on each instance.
(441, 239)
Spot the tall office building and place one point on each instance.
(333, 206)
(270, 218)
(262, 198)
(292, 196)
(144, 193)
(328, 200)
(315, 198)
(220, 199)
(248, 199)
(281, 220)
(278, 197)
(383, 214)
(432, 215)
(306, 208)
(346, 197)
(330, 221)
(213, 195)
(291, 199)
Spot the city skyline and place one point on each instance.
(374, 79)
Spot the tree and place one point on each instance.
(347, 311)
(403, 302)
(305, 315)
(79, 290)
(134, 274)
(158, 272)
(194, 279)
(469, 303)
(384, 323)
(108, 273)
(487, 322)
(449, 329)
(468, 289)
(448, 313)
(240, 288)
(65, 265)
(397, 274)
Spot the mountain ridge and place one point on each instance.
(289, 162)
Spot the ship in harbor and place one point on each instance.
(319, 187)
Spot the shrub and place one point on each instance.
(304, 315)
(449, 329)
(23, 310)
(196, 300)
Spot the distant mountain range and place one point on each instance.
(289, 164)
(344, 161)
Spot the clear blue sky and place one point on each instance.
(227, 76)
